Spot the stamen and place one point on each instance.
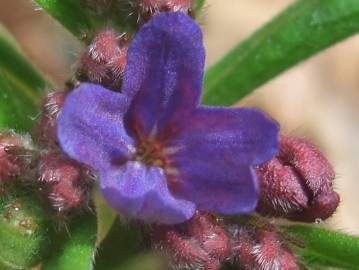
(153, 153)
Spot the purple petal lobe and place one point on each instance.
(228, 191)
(164, 71)
(138, 191)
(213, 152)
(90, 126)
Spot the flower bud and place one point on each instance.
(148, 8)
(262, 249)
(44, 133)
(243, 249)
(297, 183)
(105, 60)
(65, 182)
(15, 155)
(288, 261)
(180, 5)
(200, 243)
(210, 234)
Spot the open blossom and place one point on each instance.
(159, 154)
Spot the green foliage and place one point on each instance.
(199, 5)
(21, 86)
(147, 261)
(84, 19)
(74, 247)
(24, 224)
(73, 15)
(326, 248)
(120, 245)
(305, 28)
(124, 249)
(105, 215)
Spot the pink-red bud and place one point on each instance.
(262, 249)
(297, 183)
(104, 46)
(65, 182)
(44, 133)
(14, 156)
(105, 60)
(288, 261)
(53, 103)
(200, 243)
(243, 249)
(148, 8)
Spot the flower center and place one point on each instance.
(151, 152)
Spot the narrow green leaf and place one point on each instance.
(327, 248)
(72, 14)
(74, 248)
(305, 28)
(21, 86)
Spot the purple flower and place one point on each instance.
(159, 154)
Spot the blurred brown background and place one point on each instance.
(318, 99)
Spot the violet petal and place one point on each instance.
(164, 71)
(90, 126)
(213, 153)
(139, 191)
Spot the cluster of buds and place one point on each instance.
(105, 60)
(262, 249)
(298, 183)
(148, 8)
(64, 181)
(200, 243)
(206, 243)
